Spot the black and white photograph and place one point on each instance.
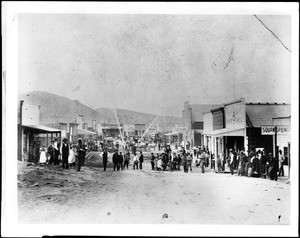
(152, 119)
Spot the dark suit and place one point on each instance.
(81, 152)
(120, 161)
(65, 150)
(141, 159)
(104, 160)
(115, 160)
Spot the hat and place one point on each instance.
(79, 139)
(65, 139)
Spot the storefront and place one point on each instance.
(33, 138)
(237, 126)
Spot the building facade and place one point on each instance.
(238, 125)
(192, 120)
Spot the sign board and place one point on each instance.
(235, 115)
(270, 130)
(30, 114)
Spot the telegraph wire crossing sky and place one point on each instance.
(154, 63)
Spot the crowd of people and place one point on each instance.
(66, 153)
(257, 164)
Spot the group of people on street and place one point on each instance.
(257, 164)
(68, 154)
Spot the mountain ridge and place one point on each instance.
(55, 108)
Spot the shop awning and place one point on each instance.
(42, 129)
(229, 132)
(85, 132)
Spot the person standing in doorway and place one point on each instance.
(141, 159)
(115, 160)
(281, 161)
(65, 152)
(80, 153)
(104, 157)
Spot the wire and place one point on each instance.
(272, 33)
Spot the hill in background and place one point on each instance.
(54, 108)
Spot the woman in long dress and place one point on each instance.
(43, 155)
(71, 158)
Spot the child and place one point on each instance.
(71, 158)
(43, 153)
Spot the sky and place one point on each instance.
(154, 63)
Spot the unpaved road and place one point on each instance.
(49, 194)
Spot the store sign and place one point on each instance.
(270, 130)
(235, 115)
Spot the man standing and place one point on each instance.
(231, 161)
(126, 159)
(135, 161)
(36, 151)
(202, 161)
(243, 161)
(65, 151)
(56, 151)
(104, 156)
(141, 159)
(165, 160)
(262, 165)
(184, 162)
(281, 161)
(120, 161)
(115, 160)
(152, 158)
(273, 169)
(178, 162)
(189, 161)
(50, 151)
(80, 153)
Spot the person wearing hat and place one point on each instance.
(65, 152)
(80, 153)
(231, 160)
(115, 160)
(141, 160)
(273, 169)
(56, 151)
(50, 151)
(104, 157)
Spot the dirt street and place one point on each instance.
(48, 194)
